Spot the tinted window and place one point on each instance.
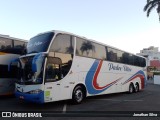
(90, 49)
(137, 61)
(63, 44)
(119, 56)
(62, 49)
(39, 43)
(5, 45)
(131, 59)
(4, 71)
(142, 62)
(127, 58)
(55, 71)
(19, 47)
(15, 70)
(99, 51)
(13, 73)
(112, 54)
(84, 48)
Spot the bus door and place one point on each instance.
(53, 79)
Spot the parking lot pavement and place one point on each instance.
(150, 81)
(143, 101)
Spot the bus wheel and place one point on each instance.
(78, 95)
(131, 88)
(136, 87)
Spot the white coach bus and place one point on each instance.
(10, 49)
(60, 66)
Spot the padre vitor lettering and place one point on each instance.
(112, 67)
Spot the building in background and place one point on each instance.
(153, 57)
(150, 53)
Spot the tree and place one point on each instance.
(151, 4)
(70, 48)
(87, 46)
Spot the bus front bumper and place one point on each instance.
(37, 98)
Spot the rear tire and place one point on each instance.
(131, 89)
(78, 95)
(137, 87)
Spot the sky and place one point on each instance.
(119, 23)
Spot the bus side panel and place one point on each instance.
(6, 58)
(104, 77)
(68, 84)
(7, 86)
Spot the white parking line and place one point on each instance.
(64, 108)
(118, 100)
(107, 99)
(133, 100)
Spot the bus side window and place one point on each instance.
(52, 72)
(112, 55)
(53, 69)
(15, 70)
(63, 48)
(6, 45)
(19, 47)
(143, 62)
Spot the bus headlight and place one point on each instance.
(35, 91)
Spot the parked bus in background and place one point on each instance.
(10, 49)
(60, 66)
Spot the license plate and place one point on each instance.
(21, 97)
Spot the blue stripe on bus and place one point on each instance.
(37, 98)
(139, 74)
(89, 81)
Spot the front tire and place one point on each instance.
(78, 95)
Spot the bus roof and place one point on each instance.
(8, 37)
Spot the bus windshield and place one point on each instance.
(28, 75)
(39, 43)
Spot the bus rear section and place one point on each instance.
(10, 50)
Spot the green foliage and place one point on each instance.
(156, 73)
(151, 4)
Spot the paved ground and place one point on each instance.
(146, 101)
